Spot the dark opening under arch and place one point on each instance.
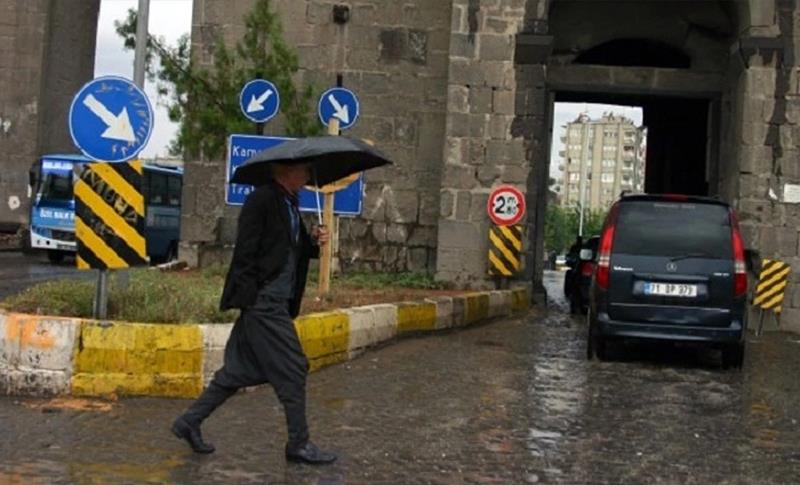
(635, 52)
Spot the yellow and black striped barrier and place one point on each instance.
(771, 286)
(504, 250)
(109, 215)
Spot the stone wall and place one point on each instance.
(46, 55)
(394, 57)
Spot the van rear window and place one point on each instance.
(671, 229)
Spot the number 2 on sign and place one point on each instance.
(506, 205)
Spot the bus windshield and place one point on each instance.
(56, 186)
(56, 181)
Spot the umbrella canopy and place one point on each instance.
(331, 158)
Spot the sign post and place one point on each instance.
(326, 254)
(338, 109)
(111, 120)
(506, 207)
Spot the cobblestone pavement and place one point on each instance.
(514, 401)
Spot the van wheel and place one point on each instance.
(733, 356)
(55, 256)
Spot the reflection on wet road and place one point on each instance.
(514, 401)
(19, 271)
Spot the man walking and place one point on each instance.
(265, 281)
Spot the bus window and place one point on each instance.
(157, 189)
(174, 191)
(57, 186)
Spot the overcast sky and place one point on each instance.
(168, 19)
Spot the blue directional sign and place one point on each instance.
(259, 100)
(347, 201)
(338, 103)
(110, 119)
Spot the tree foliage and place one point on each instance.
(562, 224)
(204, 100)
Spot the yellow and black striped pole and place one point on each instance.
(771, 288)
(109, 215)
(505, 246)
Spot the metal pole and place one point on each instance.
(141, 43)
(101, 296)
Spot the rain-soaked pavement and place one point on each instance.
(19, 271)
(514, 401)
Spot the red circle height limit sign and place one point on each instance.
(506, 205)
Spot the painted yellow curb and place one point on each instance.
(324, 337)
(138, 359)
(477, 307)
(415, 317)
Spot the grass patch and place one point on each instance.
(193, 296)
(422, 281)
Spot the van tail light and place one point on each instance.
(606, 242)
(739, 267)
(587, 268)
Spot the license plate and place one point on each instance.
(670, 289)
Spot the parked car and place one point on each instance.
(670, 267)
(578, 278)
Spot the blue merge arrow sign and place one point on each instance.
(110, 119)
(259, 100)
(338, 103)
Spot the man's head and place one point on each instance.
(292, 177)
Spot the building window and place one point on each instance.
(607, 178)
(609, 163)
(574, 177)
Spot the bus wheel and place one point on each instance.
(55, 256)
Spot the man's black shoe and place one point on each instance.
(191, 433)
(309, 453)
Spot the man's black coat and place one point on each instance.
(262, 248)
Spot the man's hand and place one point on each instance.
(320, 234)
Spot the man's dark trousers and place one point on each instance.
(263, 348)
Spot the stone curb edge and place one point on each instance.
(45, 355)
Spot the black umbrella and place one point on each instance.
(331, 158)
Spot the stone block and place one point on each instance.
(480, 100)
(458, 99)
(402, 206)
(496, 47)
(459, 177)
(478, 210)
(458, 22)
(503, 101)
(418, 259)
(447, 204)
(463, 198)
(488, 174)
(429, 208)
(379, 232)
(462, 46)
(755, 158)
(460, 235)
(397, 233)
(500, 127)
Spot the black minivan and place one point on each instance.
(670, 267)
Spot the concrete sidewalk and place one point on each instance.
(43, 355)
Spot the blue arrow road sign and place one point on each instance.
(340, 103)
(347, 201)
(110, 119)
(259, 100)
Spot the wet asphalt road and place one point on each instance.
(19, 271)
(514, 401)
